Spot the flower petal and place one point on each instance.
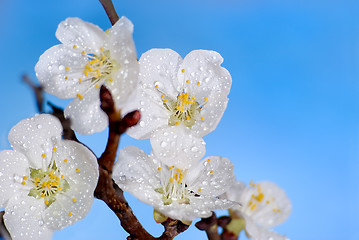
(80, 170)
(176, 146)
(159, 67)
(35, 136)
(85, 113)
(124, 52)
(74, 31)
(208, 80)
(59, 70)
(12, 165)
(273, 209)
(23, 219)
(211, 177)
(256, 232)
(235, 191)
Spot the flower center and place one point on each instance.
(47, 184)
(185, 109)
(173, 189)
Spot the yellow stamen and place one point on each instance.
(79, 96)
(171, 167)
(208, 160)
(199, 189)
(65, 160)
(43, 155)
(54, 149)
(46, 202)
(67, 68)
(211, 171)
(205, 99)
(198, 83)
(187, 81)
(77, 170)
(202, 118)
(177, 123)
(80, 80)
(23, 183)
(74, 200)
(83, 52)
(70, 214)
(159, 169)
(102, 49)
(162, 96)
(24, 177)
(66, 78)
(75, 46)
(183, 70)
(156, 86)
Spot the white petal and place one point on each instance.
(86, 115)
(213, 176)
(266, 213)
(35, 136)
(81, 166)
(65, 211)
(23, 219)
(59, 70)
(134, 165)
(135, 172)
(160, 67)
(198, 207)
(153, 113)
(235, 191)
(256, 232)
(207, 80)
(124, 52)
(74, 31)
(176, 146)
(13, 166)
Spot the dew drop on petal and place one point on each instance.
(39, 126)
(142, 123)
(61, 67)
(194, 149)
(163, 144)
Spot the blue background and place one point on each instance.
(293, 112)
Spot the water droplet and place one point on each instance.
(142, 103)
(194, 149)
(61, 67)
(123, 178)
(39, 126)
(41, 222)
(142, 123)
(22, 219)
(163, 144)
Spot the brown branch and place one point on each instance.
(110, 10)
(210, 226)
(108, 191)
(38, 91)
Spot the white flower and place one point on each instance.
(181, 100)
(263, 206)
(87, 58)
(182, 194)
(45, 183)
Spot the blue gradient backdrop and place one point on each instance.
(293, 112)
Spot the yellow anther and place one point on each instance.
(54, 149)
(202, 118)
(74, 46)
(159, 169)
(260, 197)
(42, 195)
(183, 70)
(205, 99)
(97, 86)
(199, 189)
(111, 80)
(188, 118)
(23, 183)
(62, 176)
(267, 202)
(177, 123)
(211, 171)
(66, 77)
(46, 202)
(43, 155)
(60, 188)
(77, 170)
(198, 83)
(178, 170)
(57, 179)
(67, 68)
(171, 167)
(74, 200)
(65, 160)
(175, 176)
(103, 58)
(156, 86)
(70, 214)
(171, 180)
(102, 49)
(80, 80)
(79, 96)
(83, 52)
(162, 96)
(52, 172)
(187, 81)
(253, 206)
(24, 177)
(208, 160)
(37, 179)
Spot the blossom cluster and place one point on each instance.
(47, 183)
